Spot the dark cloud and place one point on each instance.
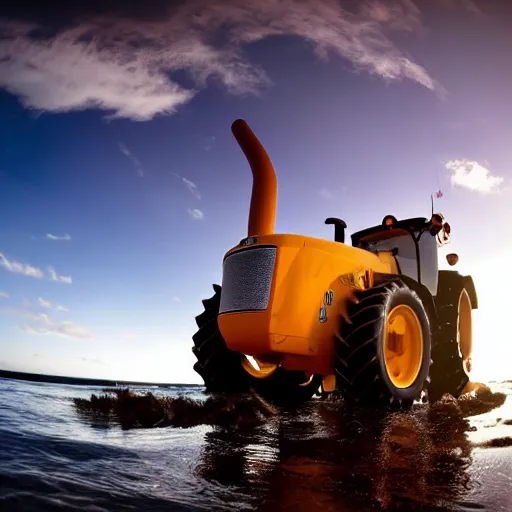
(125, 57)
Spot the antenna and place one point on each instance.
(438, 194)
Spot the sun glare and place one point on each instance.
(492, 343)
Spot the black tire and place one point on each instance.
(360, 368)
(221, 368)
(449, 372)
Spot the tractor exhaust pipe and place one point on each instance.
(262, 214)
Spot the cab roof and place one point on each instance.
(410, 225)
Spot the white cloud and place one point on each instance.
(20, 268)
(29, 270)
(325, 194)
(176, 299)
(49, 236)
(125, 67)
(209, 143)
(60, 279)
(473, 176)
(191, 186)
(135, 161)
(43, 324)
(403, 15)
(4, 295)
(44, 303)
(69, 73)
(195, 213)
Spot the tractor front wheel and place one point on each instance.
(383, 348)
(226, 371)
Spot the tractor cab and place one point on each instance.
(413, 243)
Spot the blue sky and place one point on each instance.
(121, 186)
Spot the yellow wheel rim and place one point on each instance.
(464, 331)
(258, 369)
(308, 381)
(403, 346)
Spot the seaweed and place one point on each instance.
(135, 410)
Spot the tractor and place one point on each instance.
(374, 322)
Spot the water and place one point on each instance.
(323, 457)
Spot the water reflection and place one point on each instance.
(328, 457)
(323, 456)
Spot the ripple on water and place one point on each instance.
(323, 456)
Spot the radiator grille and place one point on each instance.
(247, 280)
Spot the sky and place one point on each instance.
(121, 185)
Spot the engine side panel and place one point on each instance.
(286, 294)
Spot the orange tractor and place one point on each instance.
(376, 321)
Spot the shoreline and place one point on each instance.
(82, 381)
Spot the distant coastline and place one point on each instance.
(79, 381)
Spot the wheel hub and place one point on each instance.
(403, 346)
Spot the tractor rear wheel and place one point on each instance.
(383, 349)
(451, 352)
(226, 371)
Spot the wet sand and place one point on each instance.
(451, 455)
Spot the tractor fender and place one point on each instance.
(423, 292)
(425, 296)
(467, 282)
(470, 287)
